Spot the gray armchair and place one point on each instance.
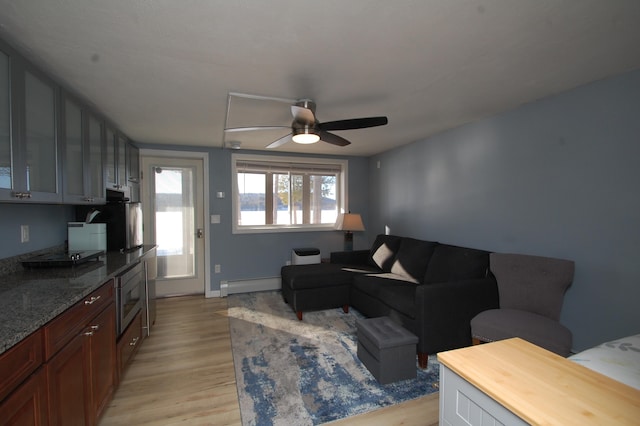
(531, 290)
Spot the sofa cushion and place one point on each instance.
(397, 294)
(319, 275)
(383, 251)
(412, 258)
(452, 263)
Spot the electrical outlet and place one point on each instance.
(24, 233)
(216, 269)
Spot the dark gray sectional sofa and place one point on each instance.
(431, 289)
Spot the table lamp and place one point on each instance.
(349, 222)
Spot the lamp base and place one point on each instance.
(348, 241)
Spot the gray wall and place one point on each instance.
(47, 227)
(261, 255)
(558, 177)
(242, 257)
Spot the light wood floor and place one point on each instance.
(183, 373)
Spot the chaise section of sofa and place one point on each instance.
(431, 289)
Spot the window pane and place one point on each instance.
(282, 192)
(251, 198)
(324, 207)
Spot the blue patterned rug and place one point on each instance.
(291, 372)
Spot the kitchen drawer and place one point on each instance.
(19, 362)
(129, 343)
(67, 325)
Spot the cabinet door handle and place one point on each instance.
(88, 333)
(95, 327)
(134, 341)
(92, 300)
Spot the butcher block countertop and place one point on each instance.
(543, 388)
(29, 298)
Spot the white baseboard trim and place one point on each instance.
(250, 285)
(212, 293)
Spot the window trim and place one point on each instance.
(252, 229)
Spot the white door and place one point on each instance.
(173, 200)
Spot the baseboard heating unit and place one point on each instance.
(250, 285)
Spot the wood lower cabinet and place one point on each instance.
(27, 405)
(19, 362)
(81, 375)
(102, 354)
(129, 343)
(23, 385)
(69, 384)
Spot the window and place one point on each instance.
(287, 193)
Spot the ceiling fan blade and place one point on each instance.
(354, 123)
(250, 129)
(280, 141)
(333, 139)
(302, 114)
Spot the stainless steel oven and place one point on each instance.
(129, 294)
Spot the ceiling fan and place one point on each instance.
(306, 129)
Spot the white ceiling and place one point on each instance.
(162, 69)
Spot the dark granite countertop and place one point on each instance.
(30, 298)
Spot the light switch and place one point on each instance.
(215, 218)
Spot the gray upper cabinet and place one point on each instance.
(6, 175)
(111, 171)
(53, 147)
(30, 171)
(83, 179)
(95, 136)
(121, 163)
(133, 172)
(74, 152)
(116, 163)
(133, 165)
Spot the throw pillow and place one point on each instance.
(412, 258)
(383, 251)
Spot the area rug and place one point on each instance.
(291, 372)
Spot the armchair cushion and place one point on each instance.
(489, 326)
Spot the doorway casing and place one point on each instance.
(206, 212)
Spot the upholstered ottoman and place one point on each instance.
(315, 287)
(387, 349)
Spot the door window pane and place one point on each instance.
(40, 135)
(175, 222)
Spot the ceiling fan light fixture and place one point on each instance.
(305, 136)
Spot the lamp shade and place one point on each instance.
(350, 222)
